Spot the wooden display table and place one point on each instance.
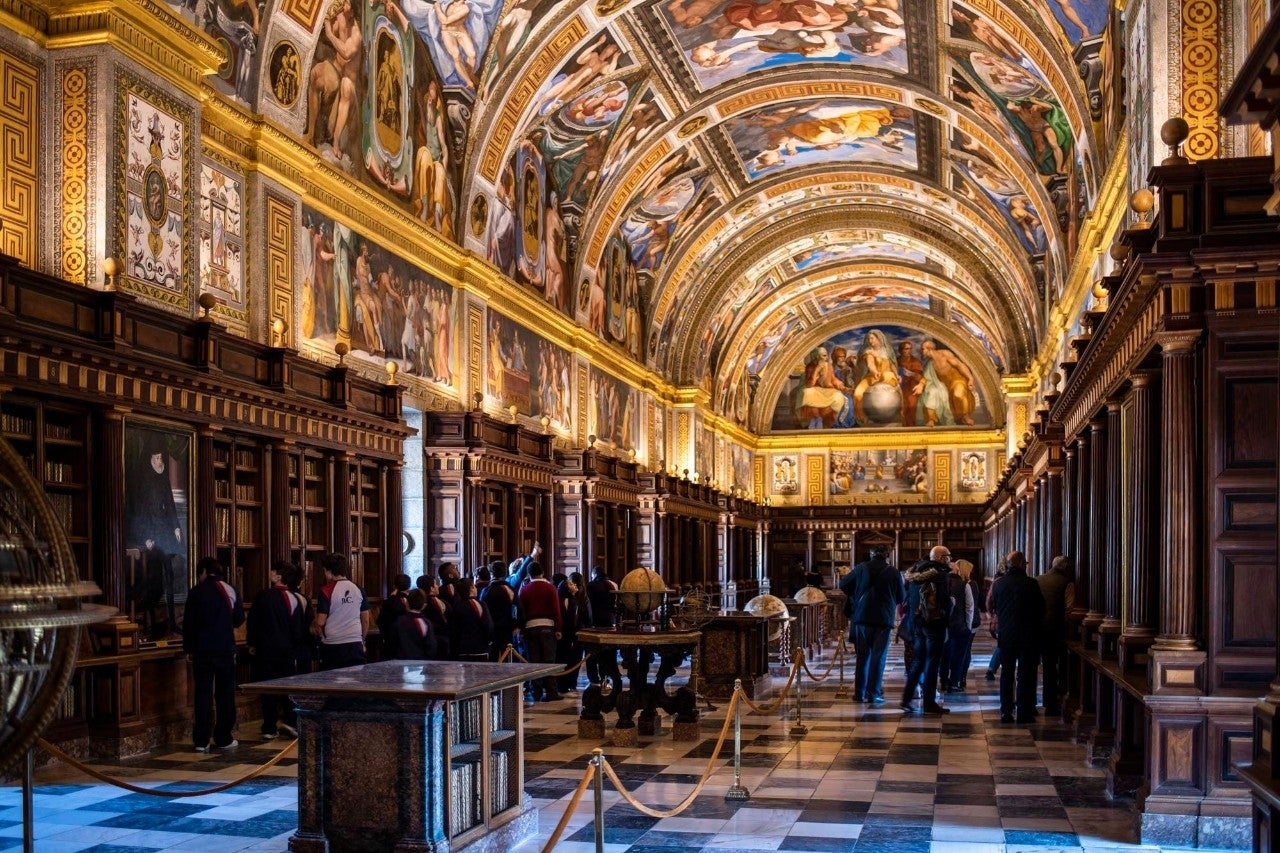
(637, 648)
(410, 756)
(733, 646)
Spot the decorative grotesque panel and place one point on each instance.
(220, 224)
(153, 188)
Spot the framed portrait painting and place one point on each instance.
(157, 525)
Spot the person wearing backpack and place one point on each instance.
(873, 592)
(928, 610)
(959, 628)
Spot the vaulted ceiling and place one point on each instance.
(714, 185)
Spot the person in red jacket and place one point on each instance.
(541, 625)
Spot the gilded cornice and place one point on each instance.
(26, 19)
(1101, 229)
(146, 31)
(897, 439)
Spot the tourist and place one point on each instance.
(540, 627)
(500, 600)
(960, 626)
(874, 591)
(393, 607)
(415, 636)
(212, 614)
(342, 616)
(1059, 591)
(927, 612)
(472, 626)
(1020, 607)
(574, 614)
(274, 632)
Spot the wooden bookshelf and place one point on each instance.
(368, 533)
(483, 764)
(239, 513)
(494, 524)
(56, 444)
(310, 475)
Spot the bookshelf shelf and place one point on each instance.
(239, 519)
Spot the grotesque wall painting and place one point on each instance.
(615, 411)
(881, 376)
(236, 25)
(723, 40)
(155, 187)
(982, 177)
(526, 371)
(375, 101)
(221, 228)
(824, 131)
(972, 474)
(354, 291)
(786, 474)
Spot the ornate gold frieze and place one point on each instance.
(73, 254)
(1200, 77)
(942, 477)
(146, 31)
(304, 12)
(475, 348)
(815, 479)
(19, 114)
(279, 262)
(808, 89)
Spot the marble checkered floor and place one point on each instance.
(861, 780)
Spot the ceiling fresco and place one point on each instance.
(701, 183)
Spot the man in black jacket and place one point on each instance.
(213, 612)
(1019, 606)
(928, 608)
(276, 628)
(874, 590)
(602, 599)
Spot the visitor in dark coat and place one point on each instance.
(874, 590)
(472, 627)
(415, 637)
(500, 600)
(1019, 606)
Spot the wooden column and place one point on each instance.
(1110, 627)
(1067, 532)
(1178, 448)
(279, 540)
(110, 510)
(1137, 633)
(1080, 528)
(204, 532)
(1053, 516)
(1097, 527)
(342, 505)
(393, 524)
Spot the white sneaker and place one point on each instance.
(230, 746)
(202, 749)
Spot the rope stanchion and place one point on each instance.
(570, 671)
(842, 692)
(597, 760)
(838, 657)
(569, 809)
(777, 703)
(138, 789)
(506, 653)
(799, 729)
(702, 782)
(737, 792)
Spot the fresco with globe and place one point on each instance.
(881, 377)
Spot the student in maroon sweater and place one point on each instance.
(540, 623)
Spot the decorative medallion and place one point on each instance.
(692, 126)
(286, 74)
(479, 215)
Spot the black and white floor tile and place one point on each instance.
(862, 779)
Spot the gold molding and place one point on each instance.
(146, 31)
(20, 99)
(74, 197)
(1201, 55)
(897, 439)
(279, 265)
(942, 476)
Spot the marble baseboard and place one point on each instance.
(515, 831)
(1233, 833)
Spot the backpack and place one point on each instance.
(929, 611)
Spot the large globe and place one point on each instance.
(811, 595)
(772, 607)
(882, 404)
(641, 590)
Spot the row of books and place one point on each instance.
(16, 424)
(246, 525)
(59, 472)
(63, 506)
(464, 723)
(464, 795)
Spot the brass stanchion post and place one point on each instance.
(737, 791)
(597, 759)
(28, 802)
(799, 729)
(842, 692)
